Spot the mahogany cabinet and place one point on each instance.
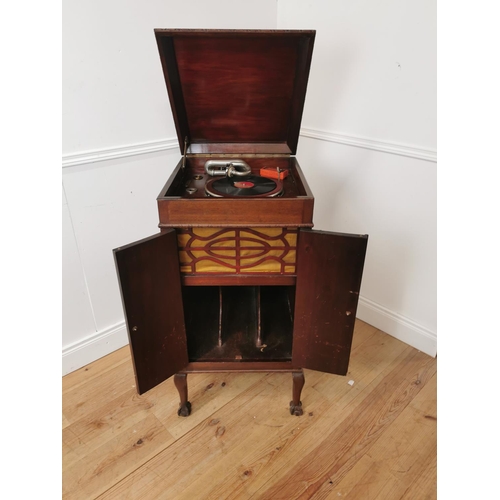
(237, 279)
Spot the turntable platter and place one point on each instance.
(248, 186)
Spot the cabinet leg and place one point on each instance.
(180, 381)
(298, 384)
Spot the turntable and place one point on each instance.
(238, 181)
(237, 280)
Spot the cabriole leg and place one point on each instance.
(298, 384)
(180, 381)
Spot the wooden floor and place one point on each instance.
(373, 439)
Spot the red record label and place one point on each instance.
(244, 184)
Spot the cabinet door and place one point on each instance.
(329, 270)
(150, 284)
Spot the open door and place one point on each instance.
(329, 270)
(150, 283)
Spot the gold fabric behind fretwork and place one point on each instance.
(237, 250)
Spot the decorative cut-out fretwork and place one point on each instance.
(237, 250)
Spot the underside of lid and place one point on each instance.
(236, 91)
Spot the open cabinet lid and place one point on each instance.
(236, 91)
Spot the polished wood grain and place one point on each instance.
(329, 271)
(241, 91)
(230, 366)
(230, 280)
(236, 212)
(150, 285)
(375, 439)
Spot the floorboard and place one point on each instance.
(369, 435)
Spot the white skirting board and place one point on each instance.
(106, 341)
(397, 326)
(93, 347)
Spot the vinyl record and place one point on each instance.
(251, 185)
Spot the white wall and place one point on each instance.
(367, 147)
(374, 67)
(113, 87)
(118, 147)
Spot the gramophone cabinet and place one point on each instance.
(237, 279)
